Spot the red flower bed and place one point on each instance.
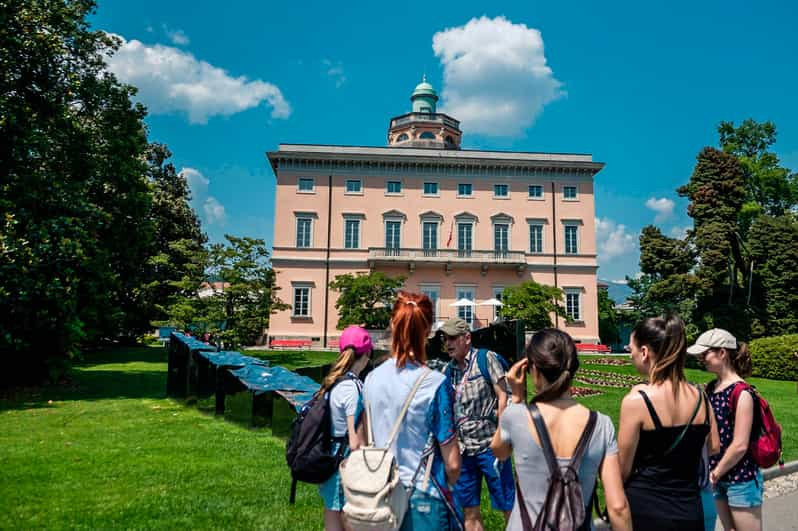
(578, 392)
(608, 361)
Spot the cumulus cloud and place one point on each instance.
(612, 239)
(495, 77)
(211, 210)
(336, 71)
(172, 80)
(663, 207)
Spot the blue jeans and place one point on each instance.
(427, 513)
(708, 505)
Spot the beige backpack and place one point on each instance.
(374, 496)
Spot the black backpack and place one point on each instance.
(564, 507)
(308, 451)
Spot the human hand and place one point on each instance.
(713, 479)
(516, 377)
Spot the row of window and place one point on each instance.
(355, 186)
(573, 301)
(429, 235)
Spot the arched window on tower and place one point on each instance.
(425, 109)
(402, 137)
(427, 135)
(449, 141)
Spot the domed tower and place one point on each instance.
(424, 126)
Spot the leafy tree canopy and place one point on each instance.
(533, 303)
(365, 298)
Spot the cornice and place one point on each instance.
(346, 160)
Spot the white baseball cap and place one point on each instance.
(715, 338)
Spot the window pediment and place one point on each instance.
(501, 217)
(430, 215)
(466, 216)
(394, 214)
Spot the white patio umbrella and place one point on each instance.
(491, 302)
(463, 302)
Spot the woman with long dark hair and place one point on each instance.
(346, 404)
(551, 361)
(735, 476)
(428, 429)
(664, 426)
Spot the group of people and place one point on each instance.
(680, 456)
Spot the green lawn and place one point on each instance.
(110, 451)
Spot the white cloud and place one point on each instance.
(663, 207)
(679, 232)
(177, 36)
(214, 211)
(495, 77)
(612, 239)
(172, 80)
(207, 206)
(336, 71)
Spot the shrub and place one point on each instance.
(774, 357)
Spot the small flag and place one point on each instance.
(451, 228)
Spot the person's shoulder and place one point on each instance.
(633, 398)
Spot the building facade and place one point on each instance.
(459, 224)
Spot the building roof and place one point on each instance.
(459, 155)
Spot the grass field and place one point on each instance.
(110, 451)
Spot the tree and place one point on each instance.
(176, 243)
(74, 234)
(770, 188)
(608, 320)
(533, 303)
(365, 298)
(240, 313)
(773, 243)
(717, 192)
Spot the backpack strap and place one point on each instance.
(482, 364)
(686, 426)
(584, 440)
(545, 442)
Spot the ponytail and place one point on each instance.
(553, 352)
(411, 322)
(343, 364)
(666, 339)
(740, 360)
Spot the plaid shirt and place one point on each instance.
(476, 405)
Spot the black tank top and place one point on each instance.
(663, 490)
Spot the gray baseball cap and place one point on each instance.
(455, 327)
(715, 338)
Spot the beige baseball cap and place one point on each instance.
(455, 327)
(715, 338)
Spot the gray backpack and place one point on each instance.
(564, 507)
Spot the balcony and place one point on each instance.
(418, 117)
(483, 258)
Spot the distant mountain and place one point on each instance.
(617, 292)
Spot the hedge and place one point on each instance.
(774, 357)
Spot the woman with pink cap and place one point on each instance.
(346, 405)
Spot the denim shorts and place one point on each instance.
(498, 475)
(332, 492)
(745, 494)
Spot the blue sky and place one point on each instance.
(641, 86)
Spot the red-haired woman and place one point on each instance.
(428, 428)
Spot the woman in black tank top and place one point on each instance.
(661, 465)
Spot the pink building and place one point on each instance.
(458, 223)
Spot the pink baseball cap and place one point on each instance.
(357, 338)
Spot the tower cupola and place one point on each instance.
(424, 98)
(424, 126)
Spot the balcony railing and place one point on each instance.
(404, 254)
(425, 117)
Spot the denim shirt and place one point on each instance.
(430, 412)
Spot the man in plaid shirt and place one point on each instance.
(479, 400)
